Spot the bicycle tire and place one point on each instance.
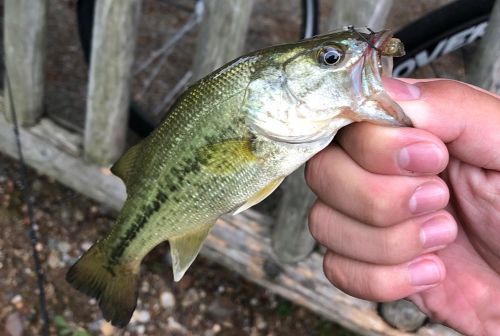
(440, 32)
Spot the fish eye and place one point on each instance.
(330, 56)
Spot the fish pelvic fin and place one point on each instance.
(123, 167)
(185, 248)
(114, 286)
(260, 195)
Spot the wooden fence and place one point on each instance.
(243, 243)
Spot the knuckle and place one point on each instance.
(335, 273)
(379, 287)
(378, 206)
(319, 222)
(315, 219)
(312, 171)
(396, 247)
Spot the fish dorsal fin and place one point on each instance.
(260, 195)
(185, 248)
(124, 165)
(226, 156)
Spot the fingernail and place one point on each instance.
(438, 231)
(424, 272)
(422, 157)
(427, 197)
(400, 90)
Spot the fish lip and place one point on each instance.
(378, 41)
(378, 69)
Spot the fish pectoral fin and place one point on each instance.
(185, 248)
(125, 163)
(227, 156)
(260, 195)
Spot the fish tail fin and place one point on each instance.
(114, 286)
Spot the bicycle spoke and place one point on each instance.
(167, 100)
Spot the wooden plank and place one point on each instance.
(291, 239)
(49, 159)
(24, 46)
(221, 34)
(113, 43)
(359, 13)
(484, 71)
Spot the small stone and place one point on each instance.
(17, 301)
(39, 247)
(53, 260)
(63, 247)
(221, 289)
(141, 329)
(403, 315)
(191, 297)
(14, 325)
(216, 328)
(37, 186)
(107, 329)
(174, 326)
(221, 308)
(254, 302)
(79, 215)
(85, 245)
(94, 326)
(167, 300)
(142, 316)
(261, 324)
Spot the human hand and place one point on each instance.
(394, 228)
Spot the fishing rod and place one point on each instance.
(28, 201)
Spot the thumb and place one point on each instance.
(465, 118)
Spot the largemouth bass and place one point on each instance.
(226, 144)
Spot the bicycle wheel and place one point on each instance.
(441, 32)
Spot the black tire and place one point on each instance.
(442, 31)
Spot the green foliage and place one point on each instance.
(65, 329)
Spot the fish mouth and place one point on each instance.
(379, 107)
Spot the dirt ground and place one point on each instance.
(210, 300)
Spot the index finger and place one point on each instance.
(465, 118)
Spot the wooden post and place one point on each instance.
(291, 240)
(484, 71)
(24, 31)
(113, 42)
(221, 34)
(359, 13)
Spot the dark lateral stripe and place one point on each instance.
(190, 166)
(141, 221)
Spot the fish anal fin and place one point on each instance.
(226, 156)
(113, 285)
(260, 195)
(185, 248)
(125, 163)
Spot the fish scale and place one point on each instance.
(226, 144)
